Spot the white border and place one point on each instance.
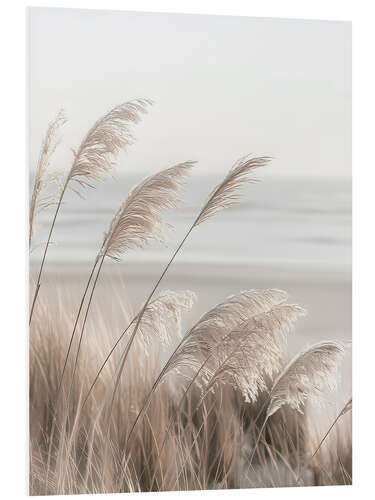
(13, 228)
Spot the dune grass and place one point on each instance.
(209, 443)
(225, 409)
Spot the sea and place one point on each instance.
(304, 222)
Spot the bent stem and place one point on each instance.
(80, 343)
(38, 281)
(257, 441)
(145, 405)
(321, 443)
(166, 435)
(222, 196)
(139, 318)
(52, 434)
(75, 326)
(197, 434)
(82, 331)
(105, 361)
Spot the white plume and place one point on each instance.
(105, 139)
(138, 221)
(306, 376)
(162, 317)
(214, 326)
(253, 351)
(225, 195)
(50, 143)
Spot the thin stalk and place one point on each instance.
(149, 396)
(130, 342)
(105, 361)
(75, 325)
(82, 331)
(38, 281)
(186, 392)
(257, 441)
(52, 434)
(144, 407)
(140, 315)
(325, 436)
(195, 438)
(261, 429)
(166, 435)
(201, 400)
(221, 197)
(79, 343)
(321, 443)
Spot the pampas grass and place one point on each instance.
(306, 376)
(108, 135)
(50, 143)
(253, 352)
(136, 423)
(201, 350)
(248, 345)
(222, 440)
(346, 409)
(224, 195)
(137, 222)
(95, 158)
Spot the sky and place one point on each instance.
(222, 86)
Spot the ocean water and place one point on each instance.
(304, 222)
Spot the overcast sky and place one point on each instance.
(222, 86)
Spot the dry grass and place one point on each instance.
(225, 408)
(208, 446)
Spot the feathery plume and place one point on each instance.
(306, 376)
(162, 317)
(138, 221)
(104, 140)
(159, 314)
(190, 357)
(253, 351)
(225, 194)
(93, 159)
(208, 333)
(49, 145)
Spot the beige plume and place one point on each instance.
(49, 145)
(253, 351)
(105, 139)
(226, 193)
(306, 376)
(189, 359)
(138, 221)
(208, 333)
(93, 159)
(162, 317)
